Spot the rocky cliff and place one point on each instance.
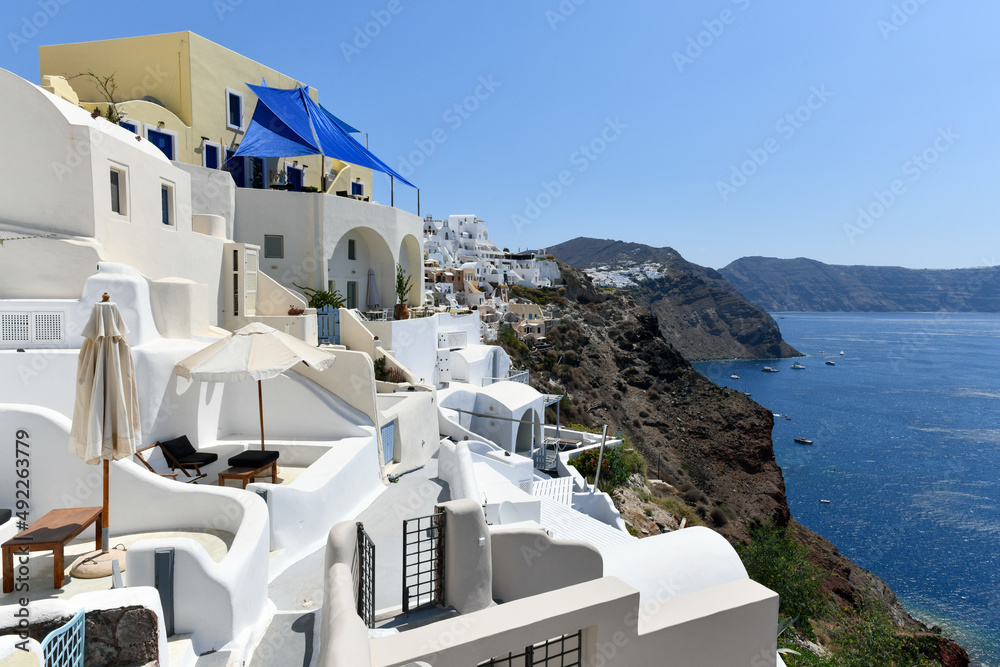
(708, 450)
(805, 285)
(699, 313)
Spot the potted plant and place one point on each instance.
(403, 284)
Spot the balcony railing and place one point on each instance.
(520, 376)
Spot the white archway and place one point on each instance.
(357, 251)
(409, 259)
(524, 440)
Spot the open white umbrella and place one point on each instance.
(255, 352)
(372, 301)
(106, 411)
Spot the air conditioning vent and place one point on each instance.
(14, 327)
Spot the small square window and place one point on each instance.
(274, 246)
(234, 110)
(352, 250)
(211, 155)
(166, 204)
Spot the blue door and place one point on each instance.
(163, 141)
(388, 449)
(295, 178)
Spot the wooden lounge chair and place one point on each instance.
(181, 455)
(188, 477)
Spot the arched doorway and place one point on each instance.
(357, 251)
(525, 433)
(409, 259)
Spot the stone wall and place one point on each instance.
(123, 637)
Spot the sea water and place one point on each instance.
(903, 475)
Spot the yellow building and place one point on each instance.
(188, 96)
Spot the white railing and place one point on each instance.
(520, 376)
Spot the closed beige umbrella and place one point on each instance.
(106, 411)
(255, 352)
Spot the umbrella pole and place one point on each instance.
(260, 405)
(105, 538)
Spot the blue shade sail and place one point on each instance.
(287, 122)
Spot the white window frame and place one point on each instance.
(173, 134)
(243, 109)
(217, 147)
(171, 204)
(124, 191)
(137, 123)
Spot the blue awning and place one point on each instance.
(342, 124)
(286, 123)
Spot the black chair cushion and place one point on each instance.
(198, 459)
(253, 459)
(5, 516)
(178, 447)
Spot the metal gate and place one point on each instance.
(364, 577)
(564, 651)
(64, 647)
(423, 562)
(328, 324)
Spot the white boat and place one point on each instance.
(734, 377)
(831, 363)
(804, 441)
(841, 353)
(797, 366)
(770, 369)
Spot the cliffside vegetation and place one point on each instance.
(709, 461)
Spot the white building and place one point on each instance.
(106, 212)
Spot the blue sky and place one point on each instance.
(855, 132)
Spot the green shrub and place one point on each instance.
(774, 559)
(320, 298)
(871, 639)
(380, 368)
(617, 466)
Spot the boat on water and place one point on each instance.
(831, 363)
(825, 502)
(841, 353)
(734, 376)
(770, 369)
(797, 366)
(804, 441)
